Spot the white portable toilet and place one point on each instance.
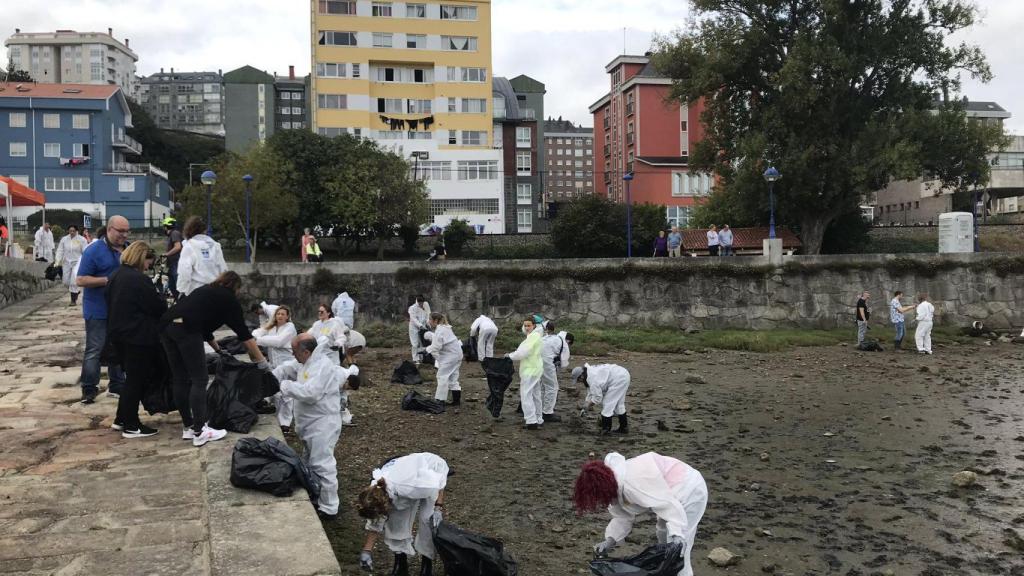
(956, 232)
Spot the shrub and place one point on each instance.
(592, 227)
(324, 281)
(456, 235)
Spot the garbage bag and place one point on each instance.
(657, 560)
(406, 373)
(469, 349)
(428, 359)
(413, 400)
(499, 372)
(465, 553)
(271, 466)
(236, 389)
(232, 345)
(53, 272)
(870, 345)
(158, 396)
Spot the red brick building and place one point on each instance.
(638, 129)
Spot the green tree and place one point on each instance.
(457, 234)
(837, 94)
(592, 227)
(172, 150)
(16, 75)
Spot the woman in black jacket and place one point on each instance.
(134, 310)
(185, 327)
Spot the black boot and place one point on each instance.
(606, 425)
(623, 424)
(426, 566)
(456, 397)
(401, 567)
(74, 298)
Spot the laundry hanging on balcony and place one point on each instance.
(75, 161)
(410, 123)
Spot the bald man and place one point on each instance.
(98, 262)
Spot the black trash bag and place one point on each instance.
(499, 372)
(657, 560)
(406, 373)
(870, 345)
(413, 400)
(212, 362)
(236, 389)
(53, 272)
(158, 396)
(468, 554)
(271, 466)
(469, 350)
(428, 359)
(232, 345)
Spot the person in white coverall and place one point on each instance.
(336, 333)
(264, 312)
(277, 337)
(313, 383)
(607, 385)
(486, 332)
(403, 490)
(344, 308)
(201, 260)
(42, 246)
(531, 368)
(925, 318)
(419, 313)
(446, 349)
(69, 252)
(674, 491)
(555, 353)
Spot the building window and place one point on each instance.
(18, 149)
(452, 106)
(382, 39)
(286, 96)
(433, 170)
(524, 220)
(355, 70)
(390, 135)
(467, 74)
(474, 138)
(449, 12)
(474, 105)
(382, 9)
(16, 120)
(459, 43)
(464, 207)
(416, 41)
(524, 193)
(415, 11)
(80, 150)
(51, 120)
(678, 216)
(391, 105)
(126, 184)
(337, 7)
(330, 69)
(51, 150)
(478, 169)
(682, 126)
(296, 111)
(332, 38)
(66, 184)
(420, 106)
(523, 138)
(332, 101)
(523, 164)
(453, 137)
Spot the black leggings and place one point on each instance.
(187, 358)
(140, 364)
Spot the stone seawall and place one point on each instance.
(806, 292)
(20, 279)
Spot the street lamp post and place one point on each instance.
(771, 175)
(209, 178)
(628, 178)
(248, 211)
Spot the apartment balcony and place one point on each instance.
(126, 143)
(607, 150)
(629, 109)
(527, 114)
(629, 137)
(130, 168)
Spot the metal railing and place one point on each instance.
(127, 142)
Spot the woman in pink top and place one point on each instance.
(307, 239)
(671, 489)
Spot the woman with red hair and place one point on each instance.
(671, 489)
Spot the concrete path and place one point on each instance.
(77, 499)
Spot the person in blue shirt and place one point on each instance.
(98, 262)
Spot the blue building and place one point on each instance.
(68, 141)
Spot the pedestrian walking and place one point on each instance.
(202, 259)
(69, 252)
(713, 241)
(42, 247)
(896, 310)
(661, 245)
(925, 318)
(675, 242)
(529, 354)
(725, 240)
(862, 316)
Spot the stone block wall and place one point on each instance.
(20, 279)
(807, 292)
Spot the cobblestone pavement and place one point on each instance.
(78, 499)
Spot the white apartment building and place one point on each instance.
(70, 57)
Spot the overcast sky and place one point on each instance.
(563, 43)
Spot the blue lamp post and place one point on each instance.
(209, 178)
(628, 177)
(771, 175)
(248, 210)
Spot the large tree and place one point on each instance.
(839, 95)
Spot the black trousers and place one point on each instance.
(187, 359)
(141, 364)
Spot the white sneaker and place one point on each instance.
(208, 435)
(346, 418)
(187, 434)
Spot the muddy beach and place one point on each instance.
(818, 460)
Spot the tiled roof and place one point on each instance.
(73, 91)
(742, 238)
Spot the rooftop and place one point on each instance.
(46, 90)
(69, 37)
(565, 127)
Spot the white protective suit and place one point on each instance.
(607, 385)
(531, 368)
(413, 483)
(553, 346)
(200, 263)
(267, 312)
(417, 319)
(69, 252)
(446, 349)
(334, 330)
(486, 332)
(278, 342)
(344, 308)
(671, 489)
(355, 340)
(315, 390)
(42, 246)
